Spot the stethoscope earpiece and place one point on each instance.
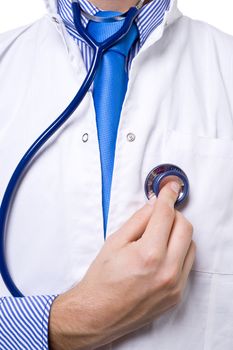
(163, 173)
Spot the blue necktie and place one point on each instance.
(110, 86)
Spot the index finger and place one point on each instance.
(159, 227)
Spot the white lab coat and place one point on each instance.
(179, 105)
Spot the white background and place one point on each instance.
(14, 13)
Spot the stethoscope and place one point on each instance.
(154, 179)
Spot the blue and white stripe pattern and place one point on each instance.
(150, 17)
(24, 322)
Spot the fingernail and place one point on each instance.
(175, 186)
(152, 200)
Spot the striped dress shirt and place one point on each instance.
(24, 321)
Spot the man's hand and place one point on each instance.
(140, 272)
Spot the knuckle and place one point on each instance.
(187, 232)
(179, 217)
(187, 227)
(150, 259)
(176, 296)
(193, 247)
(170, 278)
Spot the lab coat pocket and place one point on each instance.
(208, 163)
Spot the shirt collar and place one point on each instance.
(171, 14)
(150, 16)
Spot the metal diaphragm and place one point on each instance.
(163, 173)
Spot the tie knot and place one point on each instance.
(101, 31)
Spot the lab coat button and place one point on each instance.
(131, 137)
(85, 137)
(55, 20)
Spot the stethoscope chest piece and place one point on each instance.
(163, 173)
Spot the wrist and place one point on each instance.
(70, 324)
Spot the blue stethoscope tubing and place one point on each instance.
(99, 49)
